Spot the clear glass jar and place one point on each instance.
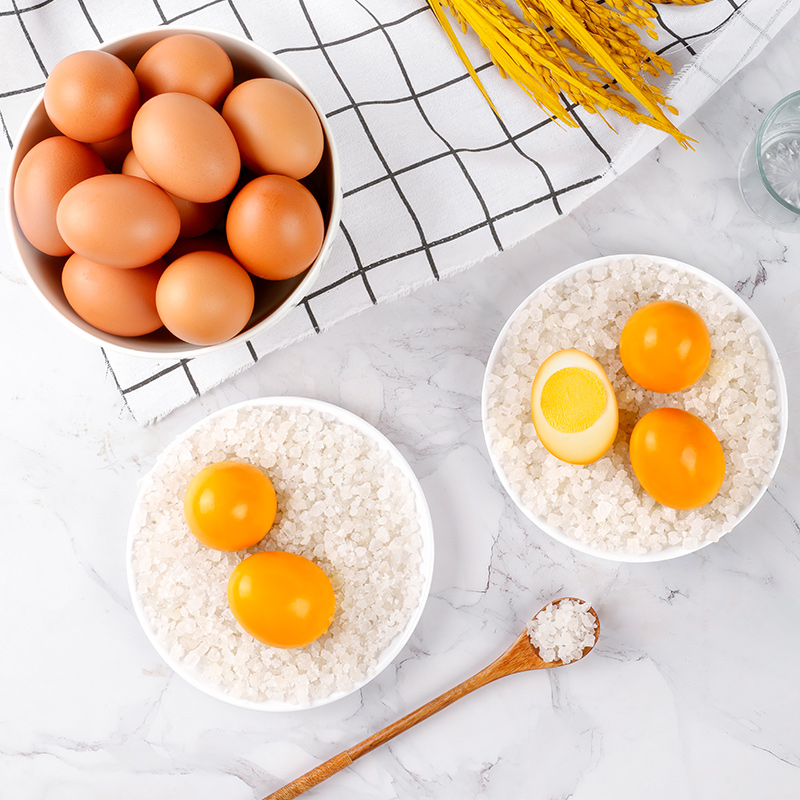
(769, 171)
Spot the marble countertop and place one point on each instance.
(692, 689)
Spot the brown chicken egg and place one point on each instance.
(113, 151)
(189, 63)
(205, 298)
(275, 227)
(118, 220)
(117, 301)
(276, 127)
(214, 241)
(91, 96)
(48, 171)
(186, 147)
(196, 218)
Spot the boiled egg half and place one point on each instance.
(574, 408)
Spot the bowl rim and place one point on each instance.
(183, 350)
(672, 551)
(427, 552)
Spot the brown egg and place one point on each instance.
(214, 241)
(118, 220)
(113, 151)
(91, 96)
(189, 63)
(118, 301)
(276, 127)
(196, 218)
(205, 298)
(186, 147)
(46, 173)
(275, 227)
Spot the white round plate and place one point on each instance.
(202, 682)
(779, 386)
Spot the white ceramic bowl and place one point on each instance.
(192, 675)
(779, 385)
(273, 298)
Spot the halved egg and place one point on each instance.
(677, 458)
(574, 408)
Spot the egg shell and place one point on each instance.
(188, 63)
(584, 446)
(275, 227)
(118, 301)
(186, 147)
(91, 96)
(113, 151)
(118, 220)
(196, 218)
(276, 127)
(214, 241)
(205, 298)
(48, 171)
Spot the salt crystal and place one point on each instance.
(561, 631)
(736, 396)
(182, 585)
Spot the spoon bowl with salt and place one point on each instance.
(564, 631)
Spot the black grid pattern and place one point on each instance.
(432, 179)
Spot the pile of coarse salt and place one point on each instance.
(561, 631)
(342, 502)
(602, 505)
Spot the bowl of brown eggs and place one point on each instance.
(173, 192)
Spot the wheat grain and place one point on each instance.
(564, 52)
(680, 2)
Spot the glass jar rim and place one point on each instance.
(771, 114)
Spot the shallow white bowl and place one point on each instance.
(191, 675)
(274, 299)
(672, 551)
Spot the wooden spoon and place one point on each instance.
(520, 657)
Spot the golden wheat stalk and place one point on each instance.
(577, 51)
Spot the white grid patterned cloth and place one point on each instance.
(433, 180)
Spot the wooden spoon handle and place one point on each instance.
(347, 757)
(312, 777)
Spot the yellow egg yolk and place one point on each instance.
(282, 599)
(677, 458)
(665, 346)
(573, 399)
(230, 505)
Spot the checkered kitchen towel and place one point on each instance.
(433, 180)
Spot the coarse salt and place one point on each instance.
(562, 631)
(364, 532)
(602, 505)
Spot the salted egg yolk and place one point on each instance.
(230, 505)
(665, 346)
(573, 407)
(677, 458)
(281, 599)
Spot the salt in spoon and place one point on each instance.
(521, 656)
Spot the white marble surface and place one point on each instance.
(692, 690)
